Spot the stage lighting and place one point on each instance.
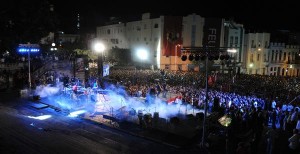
(222, 57)
(211, 57)
(191, 57)
(202, 57)
(197, 57)
(216, 57)
(227, 57)
(183, 58)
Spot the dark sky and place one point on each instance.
(258, 15)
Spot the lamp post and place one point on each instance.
(28, 48)
(29, 74)
(99, 48)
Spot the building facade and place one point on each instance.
(143, 35)
(265, 58)
(256, 53)
(234, 40)
(162, 39)
(282, 60)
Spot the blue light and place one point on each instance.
(43, 117)
(76, 113)
(23, 50)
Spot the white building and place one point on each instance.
(234, 39)
(265, 58)
(256, 53)
(164, 37)
(192, 36)
(282, 60)
(142, 35)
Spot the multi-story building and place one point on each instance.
(161, 39)
(265, 58)
(282, 60)
(256, 53)
(138, 36)
(192, 36)
(62, 38)
(234, 39)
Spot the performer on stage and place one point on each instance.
(75, 88)
(95, 84)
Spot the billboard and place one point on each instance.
(172, 35)
(212, 32)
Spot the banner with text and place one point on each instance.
(212, 32)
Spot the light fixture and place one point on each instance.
(183, 57)
(191, 57)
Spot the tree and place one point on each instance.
(26, 21)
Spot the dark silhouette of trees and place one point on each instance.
(25, 21)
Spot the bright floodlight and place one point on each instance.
(99, 47)
(142, 54)
(251, 65)
(231, 50)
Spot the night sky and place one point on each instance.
(256, 15)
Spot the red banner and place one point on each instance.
(172, 35)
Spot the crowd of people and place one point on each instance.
(261, 107)
(264, 109)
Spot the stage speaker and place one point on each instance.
(148, 118)
(174, 120)
(36, 97)
(110, 118)
(189, 116)
(140, 113)
(156, 115)
(132, 112)
(200, 116)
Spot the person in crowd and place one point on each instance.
(243, 148)
(294, 142)
(271, 137)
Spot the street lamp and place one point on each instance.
(23, 48)
(99, 48)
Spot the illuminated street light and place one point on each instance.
(53, 48)
(251, 65)
(99, 48)
(23, 48)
